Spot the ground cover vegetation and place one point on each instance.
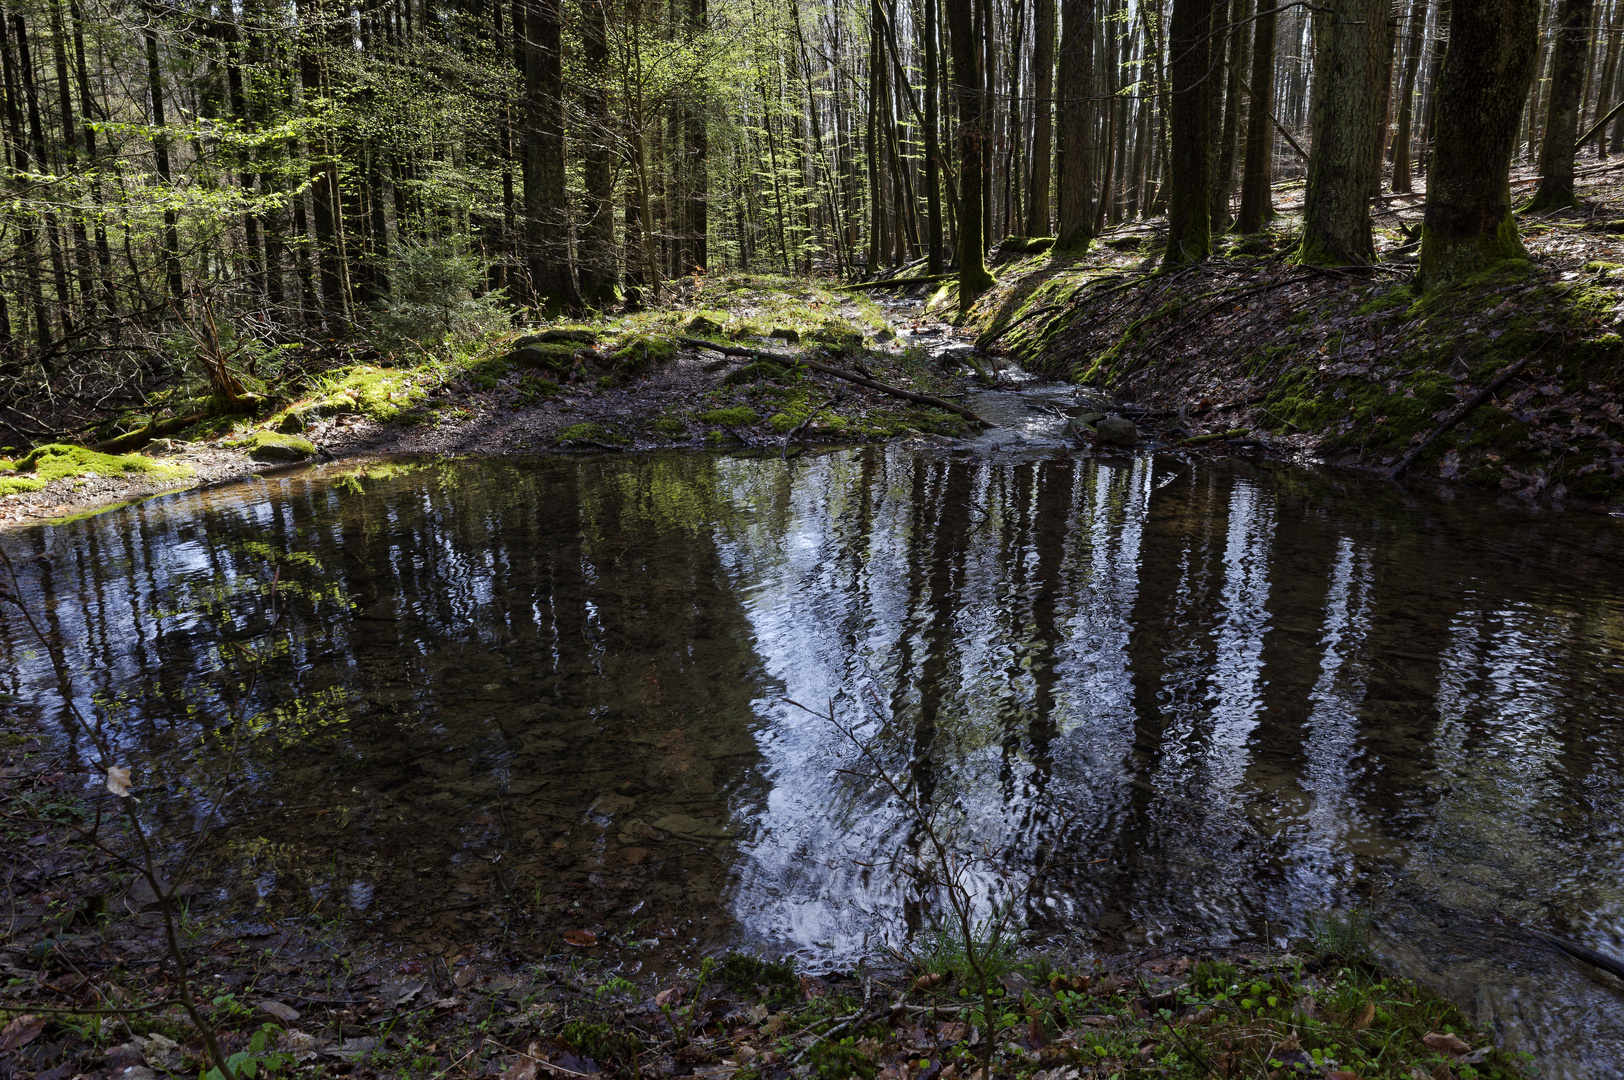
(219, 212)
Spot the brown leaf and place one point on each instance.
(925, 982)
(118, 781)
(669, 996)
(282, 1012)
(21, 1031)
(1363, 1017)
(523, 1069)
(1446, 1042)
(581, 939)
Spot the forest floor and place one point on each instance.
(1511, 382)
(90, 990)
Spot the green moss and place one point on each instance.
(57, 461)
(706, 325)
(1402, 296)
(591, 433)
(534, 389)
(543, 356)
(641, 353)
(736, 416)
(379, 393)
(670, 426)
(755, 371)
(272, 446)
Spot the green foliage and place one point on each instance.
(260, 1059)
(1343, 936)
(944, 950)
(435, 296)
(774, 981)
(841, 1061)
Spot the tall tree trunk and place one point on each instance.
(599, 274)
(1075, 130)
(27, 234)
(1258, 173)
(1224, 180)
(693, 255)
(933, 149)
(1609, 70)
(968, 82)
(1406, 96)
(323, 179)
(1350, 105)
(1189, 224)
(1468, 224)
(1556, 149)
(1037, 192)
(546, 224)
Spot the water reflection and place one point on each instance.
(1166, 700)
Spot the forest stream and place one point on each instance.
(1196, 701)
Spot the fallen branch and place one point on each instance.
(1579, 952)
(795, 432)
(1461, 412)
(1264, 105)
(1210, 437)
(789, 360)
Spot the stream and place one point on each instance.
(1167, 700)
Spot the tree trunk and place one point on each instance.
(1189, 224)
(973, 157)
(599, 271)
(1224, 179)
(1556, 149)
(323, 173)
(1609, 69)
(1406, 96)
(1350, 104)
(1468, 225)
(1042, 155)
(1258, 173)
(546, 225)
(1075, 131)
(933, 149)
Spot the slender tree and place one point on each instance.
(546, 227)
(1556, 149)
(969, 93)
(1039, 177)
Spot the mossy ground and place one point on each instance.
(56, 461)
(1356, 368)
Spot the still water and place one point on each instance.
(1163, 700)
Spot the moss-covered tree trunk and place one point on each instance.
(1350, 106)
(1406, 96)
(973, 157)
(1037, 194)
(1259, 167)
(546, 231)
(1556, 148)
(1468, 225)
(1189, 221)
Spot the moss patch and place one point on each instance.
(736, 416)
(378, 393)
(57, 461)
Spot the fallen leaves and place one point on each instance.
(285, 1013)
(1446, 1042)
(21, 1031)
(118, 781)
(581, 939)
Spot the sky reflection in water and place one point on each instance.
(1211, 699)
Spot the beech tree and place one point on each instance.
(1468, 224)
(1568, 63)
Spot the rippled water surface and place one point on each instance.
(1206, 700)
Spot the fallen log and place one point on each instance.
(155, 429)
(1214, 436)
(790, 360)
(1606, 963)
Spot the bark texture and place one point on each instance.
(546, 230)
(1557, 149)
(1406, 97)
(973, 156)
(1076, 125)
(1468, 225)
(1189, 222)
(1259, 168)
(1350, 107)
(1037, 196)
(599, 270)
